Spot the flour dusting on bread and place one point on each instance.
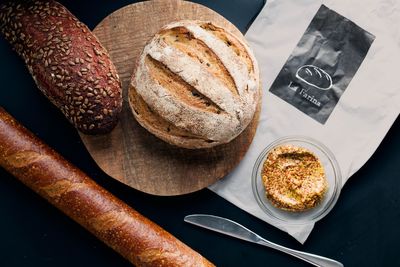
(195, 85)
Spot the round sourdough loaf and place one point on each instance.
(196, 85)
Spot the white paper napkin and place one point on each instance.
(361, 118)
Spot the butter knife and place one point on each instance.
(231, 228)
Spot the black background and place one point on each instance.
(362, 230)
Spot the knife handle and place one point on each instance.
(308, 257)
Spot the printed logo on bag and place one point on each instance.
(315, 77)
(322, 65)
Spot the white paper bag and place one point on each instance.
(362, 103)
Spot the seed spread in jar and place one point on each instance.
(294, 178)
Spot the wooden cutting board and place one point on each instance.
(129, 153)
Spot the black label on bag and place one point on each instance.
(322, 65)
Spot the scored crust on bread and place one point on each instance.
(195, 85)
(68, 63)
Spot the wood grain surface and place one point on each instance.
(129, 153)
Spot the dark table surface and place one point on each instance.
(362, 229)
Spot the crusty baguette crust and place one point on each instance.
(133, 236)
(67, 62)
(195, 85)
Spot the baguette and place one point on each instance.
(68, 63)
(135, 237)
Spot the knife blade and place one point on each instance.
(234, 229)
(223, 226)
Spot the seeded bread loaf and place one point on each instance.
(195, 85)
(132, 235)
(67, 62)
